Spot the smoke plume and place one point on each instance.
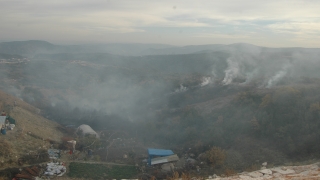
(205, 81)
(231, 72)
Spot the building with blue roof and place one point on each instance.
(158, 153)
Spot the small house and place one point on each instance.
(159, 156)
(87, 130)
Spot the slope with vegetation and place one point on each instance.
(33, 134)
(254, 103)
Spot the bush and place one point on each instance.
(96, 158)
(229, 172)
(216, 156)
(234, 160)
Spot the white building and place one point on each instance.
(86, 129)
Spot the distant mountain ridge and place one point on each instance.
(26, 48)
(34, 47)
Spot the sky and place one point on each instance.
(272, 23)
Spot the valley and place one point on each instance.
(255, 104)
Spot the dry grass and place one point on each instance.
(253, 167)
(31, 123)
(5, 147)
(176, 176)
(7, 103)
(31, 134)
(229, 172)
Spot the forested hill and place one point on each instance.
(257, 103)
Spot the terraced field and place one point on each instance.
(101, 171)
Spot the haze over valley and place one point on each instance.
(118, 89)
(256, 103)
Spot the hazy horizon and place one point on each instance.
(168, 45)
(270, 24)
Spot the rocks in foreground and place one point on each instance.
(309, 172)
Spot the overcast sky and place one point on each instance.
(274, 23)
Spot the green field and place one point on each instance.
(101, 171)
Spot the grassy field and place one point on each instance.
(101, 171)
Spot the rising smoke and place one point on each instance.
(116, 84)
(268, 67)
(181, 89)
(278, 76)
(205, 81)
(231, 72)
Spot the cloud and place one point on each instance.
(230, 19)
(221, 35)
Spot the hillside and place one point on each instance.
(32, 133)
(255, 103)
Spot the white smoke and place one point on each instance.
(250, 76)
(181, 89)
(205, 81)
(213, 72)
(276, 78)
(231, 72)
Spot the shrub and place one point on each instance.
(229, 172)
(216, 156)
(234, 160)
(96, 158)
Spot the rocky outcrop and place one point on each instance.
(307, 172)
